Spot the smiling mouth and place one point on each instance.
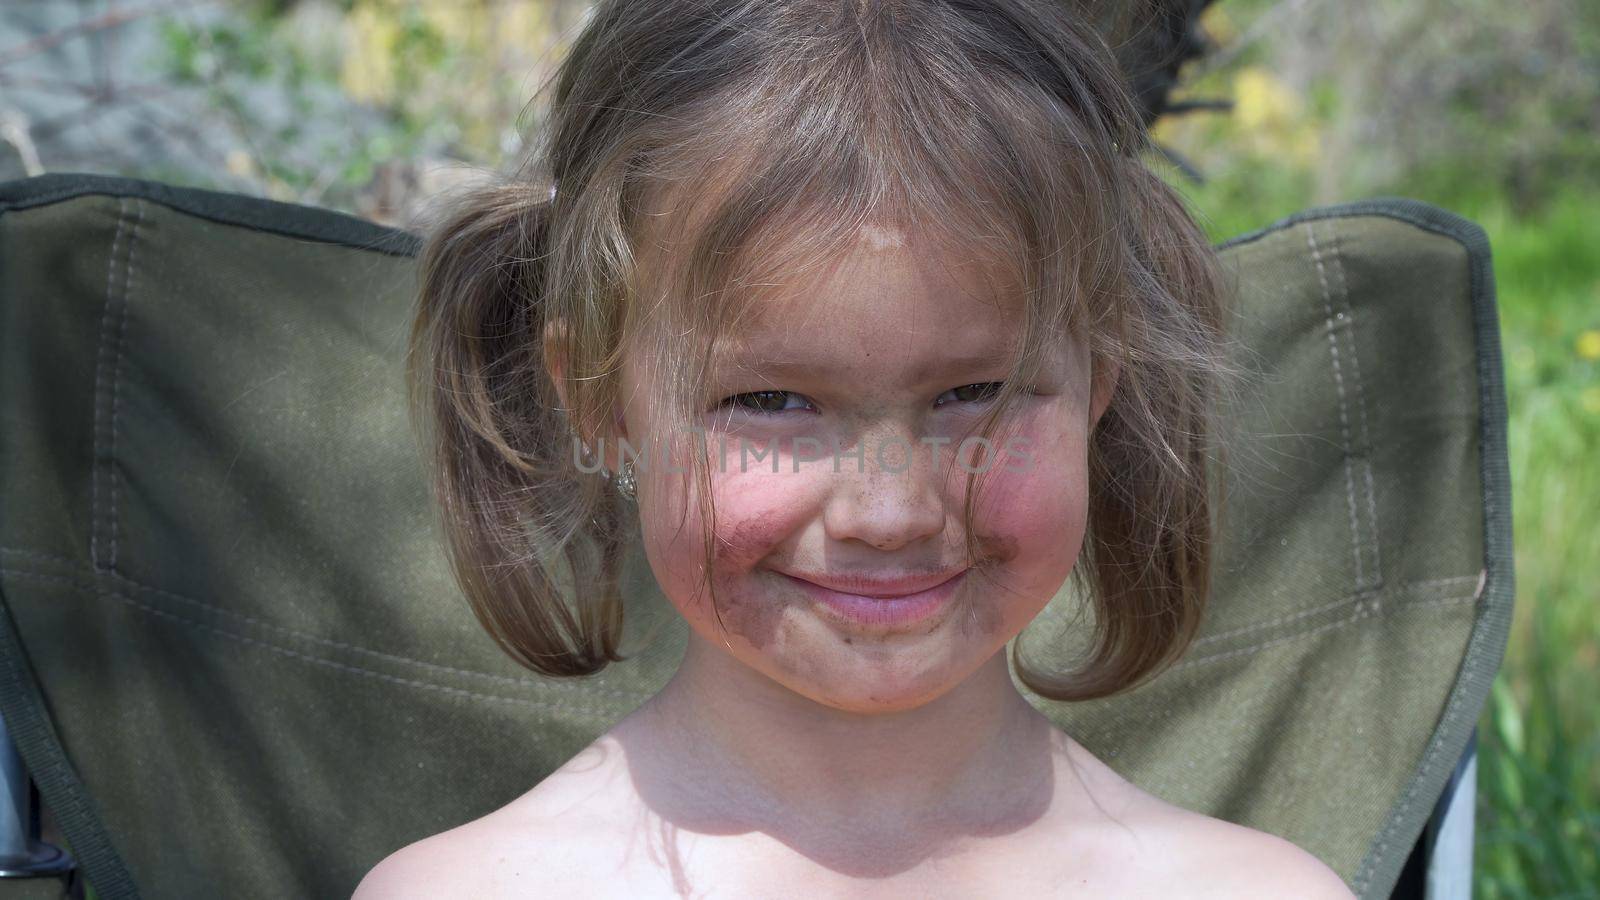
(894, 612)
(879, 587)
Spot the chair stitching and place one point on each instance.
(116, 373)
(118, 595)
(1452, 710)
(1166, 712)
(1365, 438)
(1289, 617)
(329, 642)
(390, 657)
(99, 380)
(1376, 606)
(1363, 608)
(1439, 601)
(1344, 413)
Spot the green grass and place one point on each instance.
(1540, 802)
(1538, 808)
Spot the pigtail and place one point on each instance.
(1153, 498)
(521, 525)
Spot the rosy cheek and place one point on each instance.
(755, 513)
(1043, 506)
(1031, 514)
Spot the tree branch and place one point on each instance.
(110, 19)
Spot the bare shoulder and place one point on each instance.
(484, 858)
(1224, 859)
(430, 867)
(1210, 857)
(543, 834)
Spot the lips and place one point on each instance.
(900, 611)
(879, 586)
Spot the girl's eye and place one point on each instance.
(772, 402)
(761, 401)
(972, 393)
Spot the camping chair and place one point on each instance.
(232, 657)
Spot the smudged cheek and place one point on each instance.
(756, 512)
(1036, 517)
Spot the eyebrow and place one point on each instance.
(919, 373)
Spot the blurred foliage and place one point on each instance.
(1399, 91)
(1461, 121)
(445, 81)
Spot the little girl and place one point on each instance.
(867, 320)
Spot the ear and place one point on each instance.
(1103, 384)
(555, 357)
(555, 362)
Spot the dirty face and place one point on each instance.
(833, 433)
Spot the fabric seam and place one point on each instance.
(1364, 603)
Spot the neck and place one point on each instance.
(742, 751)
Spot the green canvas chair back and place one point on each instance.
(234, 661)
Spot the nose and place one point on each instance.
(887, 499)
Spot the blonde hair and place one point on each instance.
(781, 129)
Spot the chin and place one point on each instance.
(785, 633)
(883, 696)
(869, 672)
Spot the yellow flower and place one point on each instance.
(1261, 99)
(371, 35)
(1216, 23)
(1589, 344)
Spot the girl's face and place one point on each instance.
(858, 387)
